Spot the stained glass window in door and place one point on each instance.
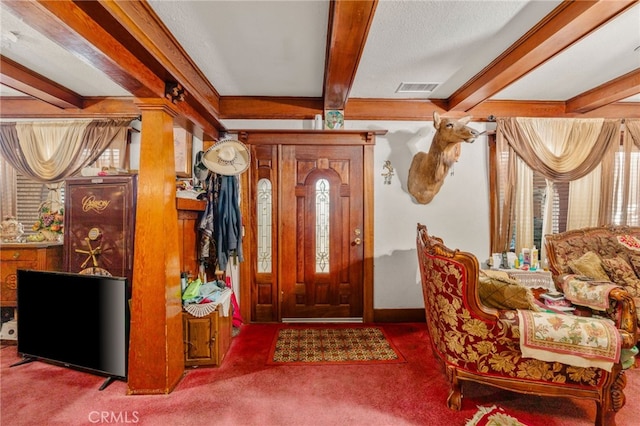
(322, 226)
(264, 209)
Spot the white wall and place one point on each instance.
(459, 214)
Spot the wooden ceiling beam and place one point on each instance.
(564, 26)
(16, 76)
(419, 109)
(612, 91)
(66, 24)
(93, 107)
(349, 23)
(146, 33)
(109, 48)
(285, 108)
(266, 107)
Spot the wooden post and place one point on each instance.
(156, 353)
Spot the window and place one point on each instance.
(625, 200)
(30, 195)
(322, 226)
(559, 207)
(264, 209)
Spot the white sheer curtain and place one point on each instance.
(584, 201)
(626, 209)
(7, 195)
(48, 147)
(524, 205)
(549, 138)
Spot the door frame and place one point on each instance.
(308, 137)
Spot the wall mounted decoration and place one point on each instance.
(428, 170)
(388, 174)
(334, 119)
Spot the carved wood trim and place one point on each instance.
(308, 137)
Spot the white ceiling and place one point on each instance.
(278, 48)
(38, 53)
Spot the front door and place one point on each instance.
(321, 217)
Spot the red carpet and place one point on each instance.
(247, 391)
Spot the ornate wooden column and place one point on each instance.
(156, 355)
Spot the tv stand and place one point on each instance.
(107, 382)
(28, 359)
(25, 360)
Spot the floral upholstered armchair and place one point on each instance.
(506, 347)
(599, 268)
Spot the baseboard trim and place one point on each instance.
(320, 320)
(399, 315)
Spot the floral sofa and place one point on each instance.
(609, 258)
(478, 343)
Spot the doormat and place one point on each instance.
(333, 345)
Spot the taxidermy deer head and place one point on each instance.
(428, 170)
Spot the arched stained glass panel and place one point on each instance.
(322, 226)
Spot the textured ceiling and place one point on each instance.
(279, 48)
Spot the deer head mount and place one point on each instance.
(428, 170)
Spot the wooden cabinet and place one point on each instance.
(13, 256)
(206, 339)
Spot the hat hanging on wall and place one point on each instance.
(227, 157)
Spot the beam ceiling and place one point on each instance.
(128, 42)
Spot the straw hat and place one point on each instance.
(227, 157)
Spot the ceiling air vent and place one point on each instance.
(416, 87)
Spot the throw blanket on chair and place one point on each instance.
(592, 294)
(569, 339)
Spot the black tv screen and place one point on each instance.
(78, 320)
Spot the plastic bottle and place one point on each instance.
(526, 256)
(534, 258)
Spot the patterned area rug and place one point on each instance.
(333, 345)
(493, 416)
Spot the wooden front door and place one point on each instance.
(321, 219)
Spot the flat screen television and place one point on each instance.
(76, 320)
